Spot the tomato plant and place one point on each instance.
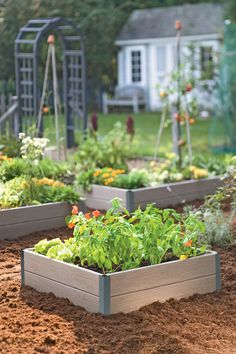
(119, 240)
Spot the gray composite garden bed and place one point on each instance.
(164, 196)
(22, 221)
(122, 291)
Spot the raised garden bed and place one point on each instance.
(122, 291)
(21, 221)
(164, 196)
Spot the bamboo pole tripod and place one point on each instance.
(51, 58)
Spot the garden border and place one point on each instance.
(163, 196)
(16, 222)
(122, 291)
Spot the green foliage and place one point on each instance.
(10, 146)
(45, 168)
(131, 180)
(217, 222)
(121, 241)
(112, 150)
(18, 192)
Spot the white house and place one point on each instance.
(147, 44)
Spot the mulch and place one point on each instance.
(32, 322)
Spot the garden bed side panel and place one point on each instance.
(133, 289)
(25, 220)
(174, 193)
(123, 291)
(80, 286)
(163, 196)
(100, 197)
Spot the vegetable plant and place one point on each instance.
(119, 240)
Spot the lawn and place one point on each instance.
(146, 128)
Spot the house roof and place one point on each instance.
(197, 19)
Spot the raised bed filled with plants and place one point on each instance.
(119, 263)
(31, 199)
(170, 194)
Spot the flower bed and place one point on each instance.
(163, 183)
(120, 262)
(170, 194)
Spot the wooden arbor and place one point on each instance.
(27, 51)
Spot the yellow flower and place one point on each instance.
(183, 257)
(110, 169)
(106, 175)
(5, 158)
(97, 173)
(192, 168)
(120, 171)
(47, 182)
(200, 173)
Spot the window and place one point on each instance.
(207, 64)
(161, 63)
(136, 74)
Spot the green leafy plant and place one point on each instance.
(212, 213)
(10, 146)
(17, 192)
(110, 151)
(17, 167)
(113, 177)
(120, 241)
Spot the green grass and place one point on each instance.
(146, 128)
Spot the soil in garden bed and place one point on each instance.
(32, 322)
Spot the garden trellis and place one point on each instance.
(27, 52)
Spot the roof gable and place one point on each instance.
(198, 19)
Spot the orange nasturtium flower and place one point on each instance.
(71, 225)
(188, 243)
(75, 210)
(96, 213)
(87, 216)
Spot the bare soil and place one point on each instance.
(32, 322)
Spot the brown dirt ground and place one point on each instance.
(32, 322)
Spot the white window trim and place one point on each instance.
(143, 65)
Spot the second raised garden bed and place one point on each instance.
(123, 291)
(21, 221)
(163, 196)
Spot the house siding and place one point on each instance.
(148, 49)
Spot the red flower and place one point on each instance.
(75, 210)
(87, 216)
(188, 243)
(71, 225)
(96, 213)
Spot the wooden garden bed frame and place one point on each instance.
(122, 291)
(22, 221)
(163, 196)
